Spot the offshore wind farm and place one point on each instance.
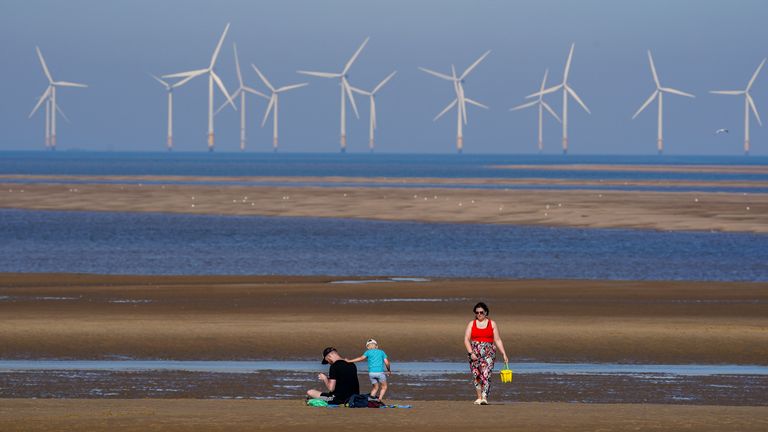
(242, 186)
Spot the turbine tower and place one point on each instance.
(169, 88)
(49, 98)
(567, 89)
(241, 90)
(212, 77)
(748, 103)
(541, 105)
(659, 92)
(461, 101)
(345, 90)
(274, 102)
(372, 96)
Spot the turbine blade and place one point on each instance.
(474, 65)
(677, 92)
(754, 76)
(354, 57)
(45, 66)
(754, 109)
(320, 74)
(165, 84)
(384, 81)
(218, 47)
(346, 86)
(185, 80)
(551, 111)
(186, 74)
(254, 91)
(446, 109)
(359, 91)
(727, 92)
(234, 96)
(291, 87)
(40, 101)
(237, 67)
(223, 89)
(653, 70)
(269, 109)
(475, 103)
(525, 105)
(578, 99)
(646, 103)
(568, 63)
(543, 82)
(437, 74)
(58, 108)
(545, 92)
(263, 78)
(68, 84)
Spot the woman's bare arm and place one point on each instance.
(467, 336)
(498, 342)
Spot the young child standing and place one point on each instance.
(377, 363)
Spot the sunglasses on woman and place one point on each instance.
(480, 312)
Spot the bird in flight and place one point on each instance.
(721, 131)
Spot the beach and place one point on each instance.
(207, 415)
(424, 200)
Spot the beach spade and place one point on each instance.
(506, 374)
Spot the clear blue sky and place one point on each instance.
(113, 45)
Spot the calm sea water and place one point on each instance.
(358, 165)
(149, 243)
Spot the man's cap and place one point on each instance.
(326, 352)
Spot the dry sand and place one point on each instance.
(218, 415)
(87, 317)
(574, 208)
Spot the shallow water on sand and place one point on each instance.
(153, 243)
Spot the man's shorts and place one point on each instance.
(377, 377)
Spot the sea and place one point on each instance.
(157, 243)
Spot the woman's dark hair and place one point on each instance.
(481, 305)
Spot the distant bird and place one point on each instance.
(721, 131)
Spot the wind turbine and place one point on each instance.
(748, 103)
(345, 89)
(274, 101)
(541, 105)
(241, 90)
(461, 101)
(49, 98)
(372, 96)
(169, 88)
(566, 91)
(212, 77)
(659, 92)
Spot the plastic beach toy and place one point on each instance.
(506, 374)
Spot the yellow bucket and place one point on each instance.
(506, 374)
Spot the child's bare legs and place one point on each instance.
(375, 389)
(383, 390)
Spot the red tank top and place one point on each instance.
(484, 334)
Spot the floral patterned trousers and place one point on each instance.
(482, 368)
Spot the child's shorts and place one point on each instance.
(377, 377)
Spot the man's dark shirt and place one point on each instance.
(347, 384)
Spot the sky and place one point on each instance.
(113, 46)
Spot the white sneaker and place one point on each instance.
(478, 401)
(483, 401)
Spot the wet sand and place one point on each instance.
(283, 317)
(706, 211)
(247, 415)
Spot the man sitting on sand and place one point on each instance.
(341, 380)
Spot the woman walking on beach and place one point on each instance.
(481, 340)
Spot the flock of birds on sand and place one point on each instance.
(459, 102)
